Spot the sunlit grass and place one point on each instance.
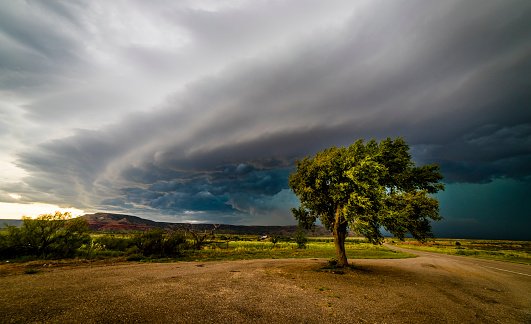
(245, 247)
(243, 250)
(511, 251)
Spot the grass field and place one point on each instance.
(245, 247)
(316, 248)
(111, 246)
(115, 246)
(511, 251)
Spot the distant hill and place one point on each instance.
(107, 222)
(118, 222)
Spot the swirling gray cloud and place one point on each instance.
(209, 126)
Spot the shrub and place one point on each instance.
(115, 243)
(132, 250)
(12, 243)
(47, 236)
(300, 238)
(158, 243)
(274, 239)
(150, 242)
(174, 244)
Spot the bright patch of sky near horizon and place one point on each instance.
(196, 110)
(17, 211)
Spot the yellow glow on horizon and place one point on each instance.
(16, 210)
(15, 196)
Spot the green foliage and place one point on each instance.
(11, 243)
(301, 238)
(512, 251)
(364, 187)
(114, 242)
(246, 250)
(158, 243)
(47, 236)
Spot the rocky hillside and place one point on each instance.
(118, 222)
(107, 222)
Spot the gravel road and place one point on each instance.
(431, 288)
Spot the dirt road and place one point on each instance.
(431, 288)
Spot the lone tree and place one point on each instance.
(365, 187)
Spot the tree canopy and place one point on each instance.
(364, 187)
(47, 236)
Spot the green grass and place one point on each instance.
(245, 247)
(244, 250)
(510, 251)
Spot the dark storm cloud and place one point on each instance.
(36, 51)
(441, 84)
(451, 77)
(489, 152)
(227, 189)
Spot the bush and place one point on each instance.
(150, 242)
(132, 250)
(47, 236)
(300, 238)
(115, 243)
(174, 244)
(12, 243)
(158, 243)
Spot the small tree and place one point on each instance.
(274, 239)
(151, 242)
(300, 238)
(12, 243)
(366, 186)
(200, 238)
(159, 243)
(48, 235)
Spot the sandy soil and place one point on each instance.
(431, 288)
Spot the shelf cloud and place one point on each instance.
(199, 109)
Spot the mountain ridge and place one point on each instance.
(113, 222)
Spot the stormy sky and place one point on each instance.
(197, 110)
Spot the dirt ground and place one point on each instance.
(431, 288)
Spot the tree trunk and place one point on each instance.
(340, 233)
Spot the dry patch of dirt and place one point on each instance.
(419, 290)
